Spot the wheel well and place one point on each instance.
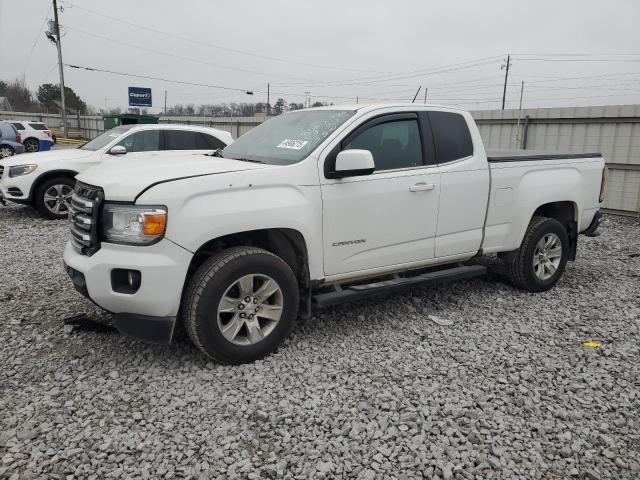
(286, 243)
(46, 176)
(29, 138)
(564, 212)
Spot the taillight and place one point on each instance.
(48, 132)
(18, 138)
(602, 184)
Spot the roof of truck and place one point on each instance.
(377, 106)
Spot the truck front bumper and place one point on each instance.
(148, 314)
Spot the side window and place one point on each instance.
(18, 126)
(451, 136)
(143, 141)
(211, 142)
(183, 140)
(392, 144)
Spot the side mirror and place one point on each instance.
(351, 163)
(118, 150)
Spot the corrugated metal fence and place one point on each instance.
(613, 130)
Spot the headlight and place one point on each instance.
(133, 224)
(20, 170)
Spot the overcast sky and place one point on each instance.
(335, 50)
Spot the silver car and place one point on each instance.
(9, 140)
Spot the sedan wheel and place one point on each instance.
(6, 151)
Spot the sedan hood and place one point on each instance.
(124, 178)
(46, 157)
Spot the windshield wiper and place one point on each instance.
(243, 159)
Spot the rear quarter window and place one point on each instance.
(38, 126)
(451, 136)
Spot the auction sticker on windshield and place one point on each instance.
(292, 144)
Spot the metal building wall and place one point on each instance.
(613, 130)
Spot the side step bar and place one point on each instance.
(358, 292)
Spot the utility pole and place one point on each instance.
(518, 140)
(521, 92)
(425, 94)
(56, 32)
(165, 102)
(268, 104)
(506, 77)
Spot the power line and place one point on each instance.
(167, 54)
(219, 47)
(404, 75)
(44, 22)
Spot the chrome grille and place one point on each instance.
(83, 218)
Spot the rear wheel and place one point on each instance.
(6, 151)
(541, 259)
(31, 145)
(53, 197)
(240, 305)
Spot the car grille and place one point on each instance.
(83, 218)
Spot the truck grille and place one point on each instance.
(83, 218)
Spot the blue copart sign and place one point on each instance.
(139, 97)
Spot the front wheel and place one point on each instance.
(6, 151)
(53, 197)
(240, 305)
(541, 259)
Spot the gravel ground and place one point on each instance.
(371, 390)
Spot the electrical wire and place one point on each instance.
(171, 55)
(44, 22)
(219, 47)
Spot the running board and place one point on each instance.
(358, 292)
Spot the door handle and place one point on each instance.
(422, 187)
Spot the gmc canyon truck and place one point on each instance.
(313, 208)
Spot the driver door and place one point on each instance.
(389, 217)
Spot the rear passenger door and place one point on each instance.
(464, 184)
(190, 140)
(386, 218)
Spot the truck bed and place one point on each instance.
(495, 156)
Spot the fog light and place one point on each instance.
(125, 280)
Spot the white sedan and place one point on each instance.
(45, 180)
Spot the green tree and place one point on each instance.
(318, 104)
(49, 96)
(295, 106)
(279, 107)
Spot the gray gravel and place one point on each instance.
(371, 390)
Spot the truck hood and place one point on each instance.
(124, 178)
(47, 157)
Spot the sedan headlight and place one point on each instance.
(133, 224)
(19, 170)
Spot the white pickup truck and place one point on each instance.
(313, 208)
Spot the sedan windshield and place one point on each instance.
(288, 138)
(106, 138)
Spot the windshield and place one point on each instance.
(106, 138)
(288, 138)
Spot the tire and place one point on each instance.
(206, 314)
(536, 249)
(31, 145)
(53, 197)
(6, 151)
